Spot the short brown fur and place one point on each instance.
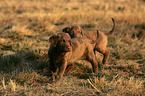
(100, 45)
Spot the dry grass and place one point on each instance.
(26, 25)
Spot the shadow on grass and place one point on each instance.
(83, 71)
(15, 63)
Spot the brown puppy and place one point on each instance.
(100, 45)
(64, 51)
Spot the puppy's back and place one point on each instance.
(92, 35)
(80, 47)
(80, 41)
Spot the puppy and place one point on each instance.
(100, 45)
(63, 51)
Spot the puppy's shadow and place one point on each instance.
(41, 67)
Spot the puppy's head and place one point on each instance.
(73, 31)
(61, 41)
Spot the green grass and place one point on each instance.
(26, 26)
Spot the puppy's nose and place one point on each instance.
(68, 48)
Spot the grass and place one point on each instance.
(26, 26)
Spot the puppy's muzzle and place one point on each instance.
(67, 49)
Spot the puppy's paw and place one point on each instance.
(53, 78)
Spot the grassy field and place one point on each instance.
(26, 25)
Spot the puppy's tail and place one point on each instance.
(113, 29)
(95, 41)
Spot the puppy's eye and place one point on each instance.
(72, 32)
(63, 40)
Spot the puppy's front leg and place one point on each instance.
(62, 69)
(54, 74)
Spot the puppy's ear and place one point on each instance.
(81, 31)
(53, 40)
(66, 29)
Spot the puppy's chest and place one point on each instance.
(57, 58)
(60, 58)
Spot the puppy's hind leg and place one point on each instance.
(91, 58)
(106, 56)
(105, 53)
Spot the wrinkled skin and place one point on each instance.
(64, 51)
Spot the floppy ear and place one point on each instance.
(53, 40)
(66, 29)
(81, 31)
